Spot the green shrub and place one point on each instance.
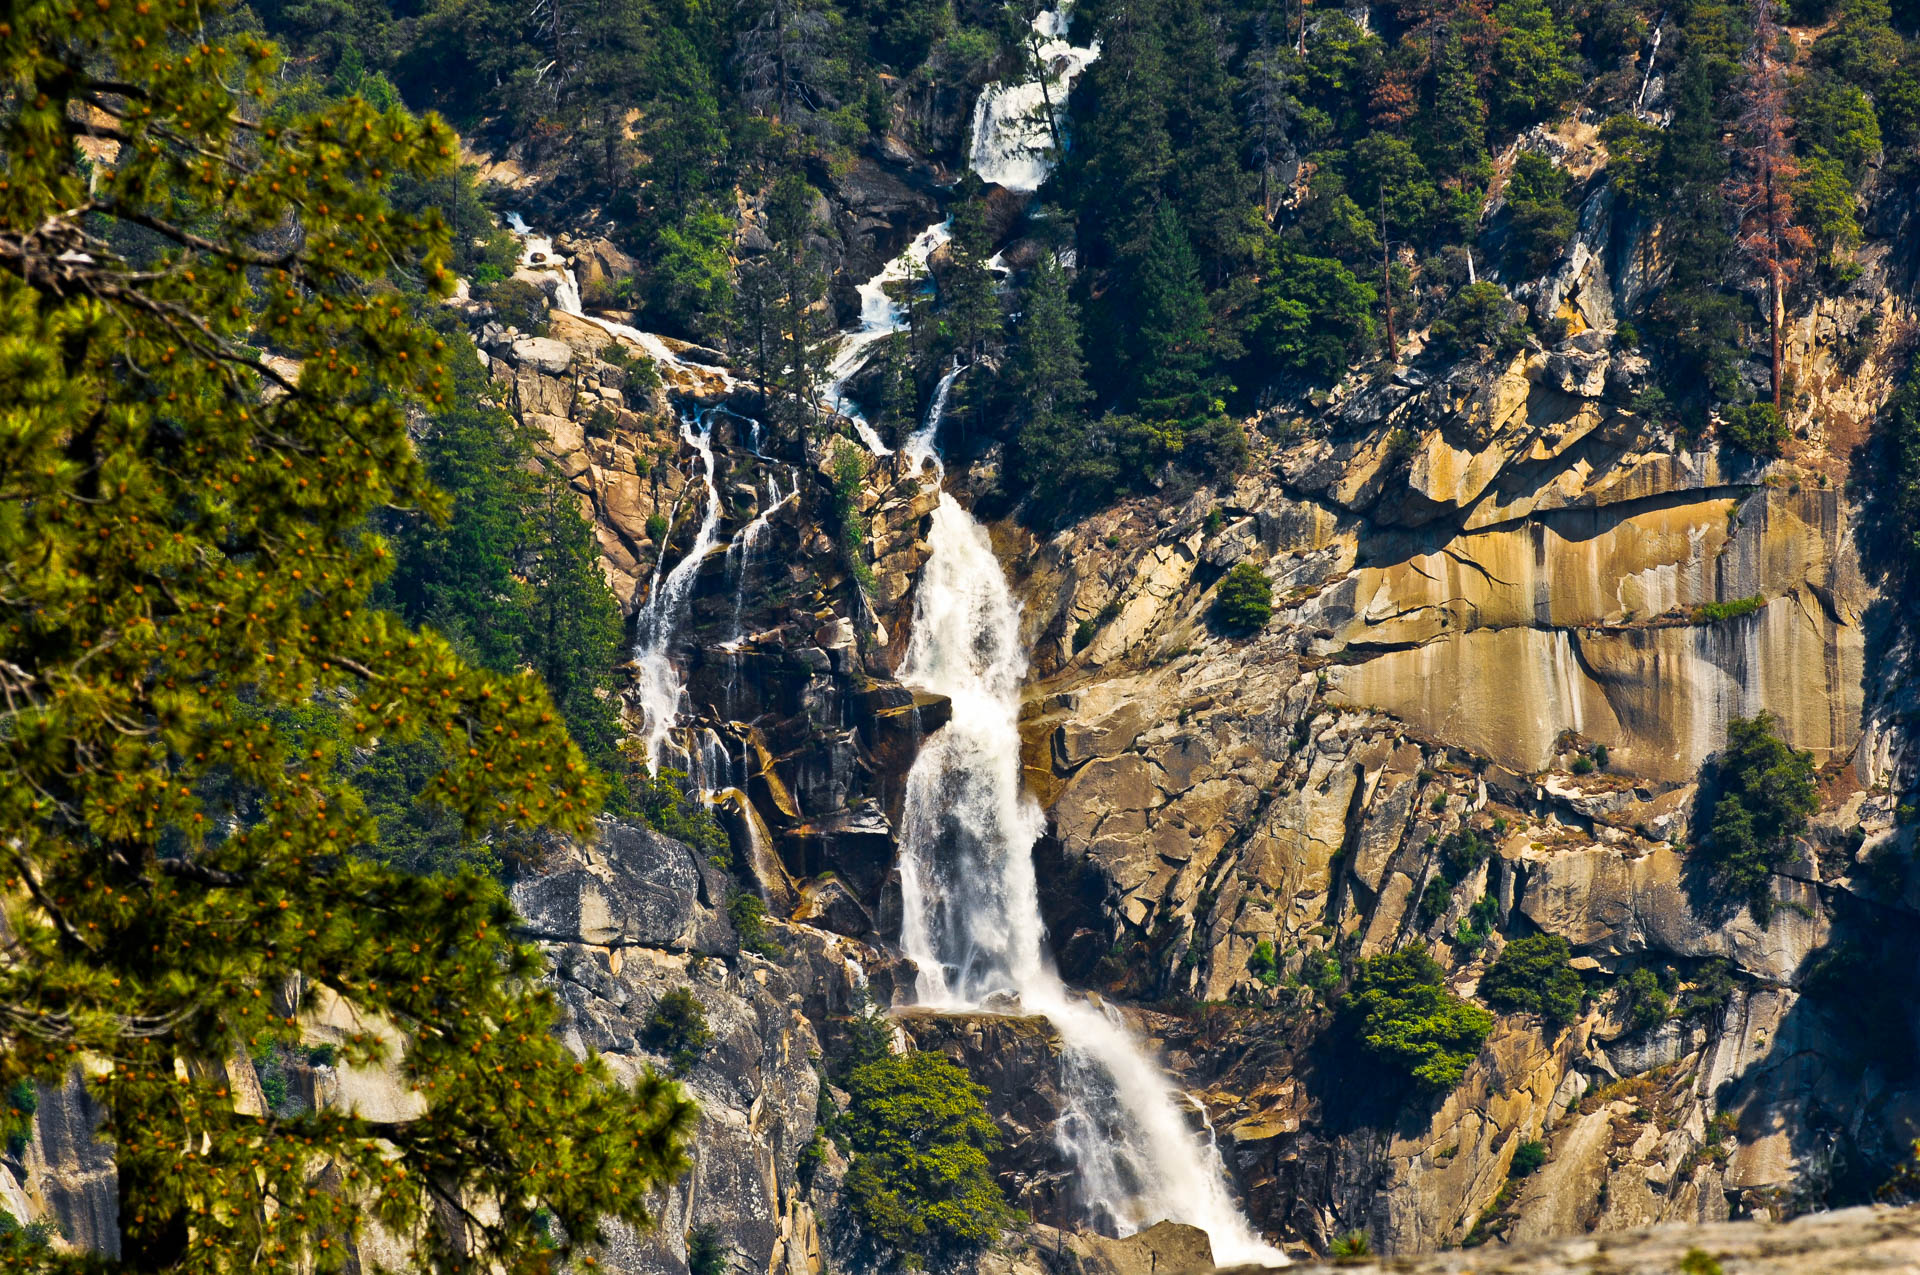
(1353, 1246)
(748, 912)
(1320, 970)
(919, 1133)
(664, 804)
(1763, 792)
(1263, 965)
(1479, 314)
(1478, 923)
(677, 1027)
(518, 303)
(1756, 428)
(1533, 975)
(1083, 635)
(1699, 1262)
(1649, 1002)
(1583, 765)
(274, 1088)
(1403, 1016)
(1708, 990)
(16, 1122)
(1527, 1157)
(1715, 612)
(1245, 600)
(657, 529)
(706, 1255)
(1435, 899)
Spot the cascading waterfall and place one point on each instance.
(971, 913)
(659, 683)
(741, 549)
(880, 317)
(1013, 127)
(918, 451)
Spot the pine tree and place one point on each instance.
(191, 655)
(799, 285)
(574, 630)
(1174, 354)
(1691, 177)
(1122, 151)
(1456, 126)
(967, 285)
(1213, 190)
(1270, 106)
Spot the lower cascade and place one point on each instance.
(971, 910)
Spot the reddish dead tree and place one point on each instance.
(1761, 189)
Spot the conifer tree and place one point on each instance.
(1046, 382)
(189, 656)
(1122, 150)
(1213, 190)
(1175, 346)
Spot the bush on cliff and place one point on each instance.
(1762, 792)
(920, 1134)
(1402, 1015)
(1245, 601)
(1534, 975)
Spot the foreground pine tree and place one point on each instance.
(187, 657)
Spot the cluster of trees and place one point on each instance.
(196, 664)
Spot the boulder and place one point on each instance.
(542, 354)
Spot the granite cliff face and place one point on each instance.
(1484, 574)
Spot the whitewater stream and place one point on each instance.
(970, 903)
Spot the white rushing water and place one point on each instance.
(659, 683)
(971, 912)
(1014, 125)
(918, 451)
(880, 317)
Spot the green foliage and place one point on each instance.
(16, 1121)
(517, 303)
(1633, 148)
(1477, 925)
(1401, 1013)
(1543, 221)
(1754, 427)
(1435, 898)
(1480, 314)
(748, 912)
(706, 1251)
(1699, 1262)
(1732, 609)
(1823, 201)
(1648, 999)
(196, 659)
(1534, 63)
(677, 1027)
(919, 1132)
(1707, 990)
(1244, 603)
(1350, 1246)
(664, 800)
(1083, 634)
(1900, 438)
(1263, 964)
(1533, 975)
(1763, 791)
(1314, 316)
(1527, 1158)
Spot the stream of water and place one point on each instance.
(658, 682)
(880, 317)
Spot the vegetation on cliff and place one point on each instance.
(1400, 1012)
(1760, 791)
(918, 1129)
(194, 655)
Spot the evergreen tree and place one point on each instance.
(1173, 357)
(799, 284)
(1211, 188)
(574, 627)
(192, 651)
(1046, 382)
(1122, 151)
(1533, 64)
(1692, 173)
(967, 286)
(1270, 106)
(1769, 238)
(1456, 126)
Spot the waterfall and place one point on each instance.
(1013, 130)
(971, 913)
(740, 552)
(919, 449)
(659, 682)
(880, 317)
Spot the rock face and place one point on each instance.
(1860, 1239)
